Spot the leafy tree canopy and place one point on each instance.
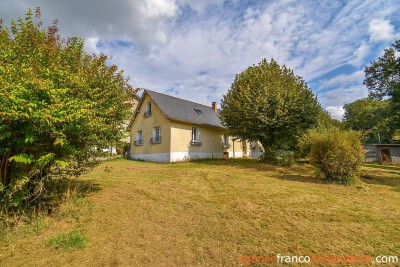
(382, 78)
(269, 103)
(372, 117)
(57, 104)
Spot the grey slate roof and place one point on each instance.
(183, 110)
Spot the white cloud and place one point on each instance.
(341, 96)
(91, 45)
(147, 22)
(307, 38)
(197, 53)
(199, 6)
(336, 112)
(360, 54)
(381, 30)
(157, 8)
(343, 80)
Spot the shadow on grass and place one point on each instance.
(381, 180)
(303, 179)
(300, 172)
(388, 175)
(55, 194)
(79, 188)
(395, 169)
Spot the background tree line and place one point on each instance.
(379, 114)
(270, 104)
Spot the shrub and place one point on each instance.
(278, 157)
(337, 153)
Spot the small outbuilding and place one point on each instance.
(382, 153)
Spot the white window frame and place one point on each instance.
(139, 136)
(195, 136)
(156, 138)
(225, 139)
(148, 111)
(139, 141)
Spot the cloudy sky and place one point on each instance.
(193, 48)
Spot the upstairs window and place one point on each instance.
(148, 111)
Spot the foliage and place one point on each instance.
(325, 120)
(337, 153)
(371, 116)
(278, 157)
(382, 78)
(270, 104)
(58, 107)
(73, 239)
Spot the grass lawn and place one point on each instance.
(207, 213)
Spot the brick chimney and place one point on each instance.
(214, 106)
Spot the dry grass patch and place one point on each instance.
(210, 212)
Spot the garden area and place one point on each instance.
(209, 213)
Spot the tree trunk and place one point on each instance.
(3, 170)
(68, 188)
(267, 145)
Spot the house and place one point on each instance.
(167, 129)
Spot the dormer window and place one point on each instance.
(198, 111)
(148, 112)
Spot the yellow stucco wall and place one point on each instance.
(181, 135)
(211, 139)
(157, 119)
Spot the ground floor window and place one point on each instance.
(139, 138)
(225, 141)
(195, 136)
(156, 139)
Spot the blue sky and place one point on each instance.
(193, 49)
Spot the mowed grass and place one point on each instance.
(207, 213)
(72, 239)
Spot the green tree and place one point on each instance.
(371, 116)
(269, 103)
(382, 78)
(57, 105)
